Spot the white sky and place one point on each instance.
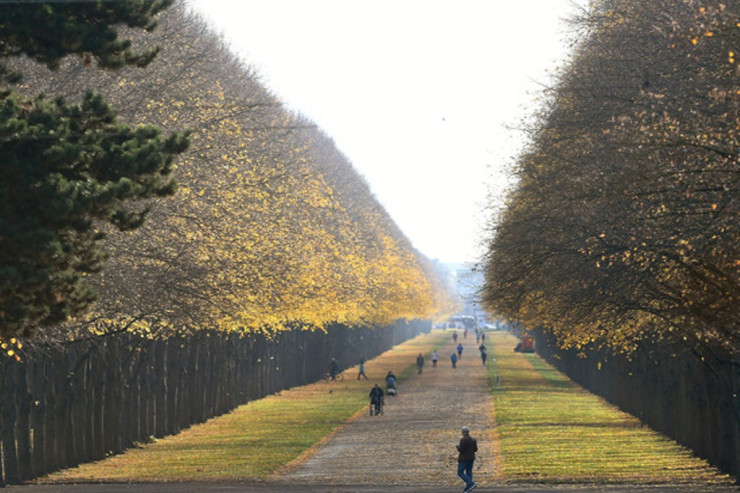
(418, 94)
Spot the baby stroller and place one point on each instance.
(390, 386)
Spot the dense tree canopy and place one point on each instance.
(624, 224)
(48, 32)
(271, 227)
(69, 169)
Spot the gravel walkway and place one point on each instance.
(417, 436)
(413, 442)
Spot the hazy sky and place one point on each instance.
(418, 94)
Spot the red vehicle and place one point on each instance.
(526, 345)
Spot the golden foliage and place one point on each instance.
(623, 225)
(271, 227)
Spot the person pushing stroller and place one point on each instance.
(390, 384)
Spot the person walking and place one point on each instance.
(361, 373)
(459, 351)
(453, 358)
(333, 369)
(467, 448)
(376, 400)
(390, 384)
(435, 357)
(419, 363)
(483, 353)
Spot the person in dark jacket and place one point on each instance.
(390, 384)
(467, 448)
(419, 363)
(376, 399)
(333, 369)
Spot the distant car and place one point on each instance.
(526, 345)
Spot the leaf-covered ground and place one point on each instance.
(413, 442)
(545, 432)
(553, 431)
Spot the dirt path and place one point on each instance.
(417, 433)
(417, 437)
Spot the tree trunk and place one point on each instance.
(173, 385)
(115, 395)
(97, 421)
(10, 457)
(149, 407)
(50, 436)
(73, 424)
(160, 375)
(23, 423)
(67, 426)
(37, 378)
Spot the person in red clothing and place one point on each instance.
(467, 447)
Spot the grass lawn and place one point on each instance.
(554, 431)
(551, 430)
(257, 438)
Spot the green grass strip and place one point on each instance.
(554, 431)
(260, 437)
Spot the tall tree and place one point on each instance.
(624, 224)
(69, 171)
(271, 227)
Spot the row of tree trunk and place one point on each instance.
(692, 398)
(64, 405)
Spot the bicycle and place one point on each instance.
(327, 376)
